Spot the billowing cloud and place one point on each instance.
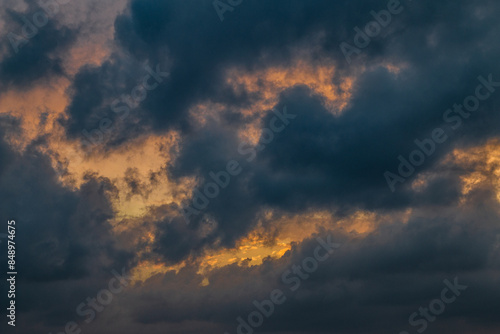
(203, 147)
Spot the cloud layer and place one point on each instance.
(114, 147)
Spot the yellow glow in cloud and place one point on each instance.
(274, 236)
(37, 109)
(484, 163)
(267, 84)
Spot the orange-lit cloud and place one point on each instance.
(483, 164)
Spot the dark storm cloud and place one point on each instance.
(262, 34)
(320, 161)
(368, 285)
(95, 90)
(379, 281)
(208, 150)
(63, 237)
(337, 162)
(27, 60)
(387, 111)
(189, 35)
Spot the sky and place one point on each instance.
(238, 166)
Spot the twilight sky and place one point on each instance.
(238, 166)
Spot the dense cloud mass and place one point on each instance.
(232, 166)
(33, 47)
(65, 234)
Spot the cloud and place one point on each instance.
(351, 123)
(63, 237)
(32, 53)
(370, 284)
